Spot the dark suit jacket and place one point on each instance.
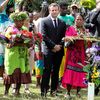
(95, 19)
(88, 24)
(51, 37)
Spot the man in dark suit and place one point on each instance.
(53, 30)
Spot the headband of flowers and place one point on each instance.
(17, 16)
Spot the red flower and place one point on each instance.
(38, 37)
(26, 33)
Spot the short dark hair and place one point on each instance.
(54, 5)
(63, 3)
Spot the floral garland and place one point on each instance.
(79, 32)
(17, 16)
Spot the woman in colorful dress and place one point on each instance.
(17, 70)
(74, 74)
(4, 23)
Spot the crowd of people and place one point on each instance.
(46, 41)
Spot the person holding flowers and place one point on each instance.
(17, 70)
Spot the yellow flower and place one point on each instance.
(95, 75)
(94, 69)
(8, 32)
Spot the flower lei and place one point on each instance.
(85, 33)
(79, 32)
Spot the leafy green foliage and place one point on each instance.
(97, 82)
(86, 68)
(90, 4)
(36, 4)
(18, 16)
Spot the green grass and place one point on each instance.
(35, 94)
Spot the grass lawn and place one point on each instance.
(35, 94)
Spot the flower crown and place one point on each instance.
(18, 16)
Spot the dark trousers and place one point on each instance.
(52, 63)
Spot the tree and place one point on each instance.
(88, 4)
(36, 4)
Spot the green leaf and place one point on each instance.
(97, 82)
(86, 68)
(27, 40)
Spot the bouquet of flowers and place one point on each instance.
(26, 36)
(23, 36)
(93, 67)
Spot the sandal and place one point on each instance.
(67, 96)
(13, 91)
(27, 91)
(16, 93)
(43, 95)
(78, 95)
(53, 93)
